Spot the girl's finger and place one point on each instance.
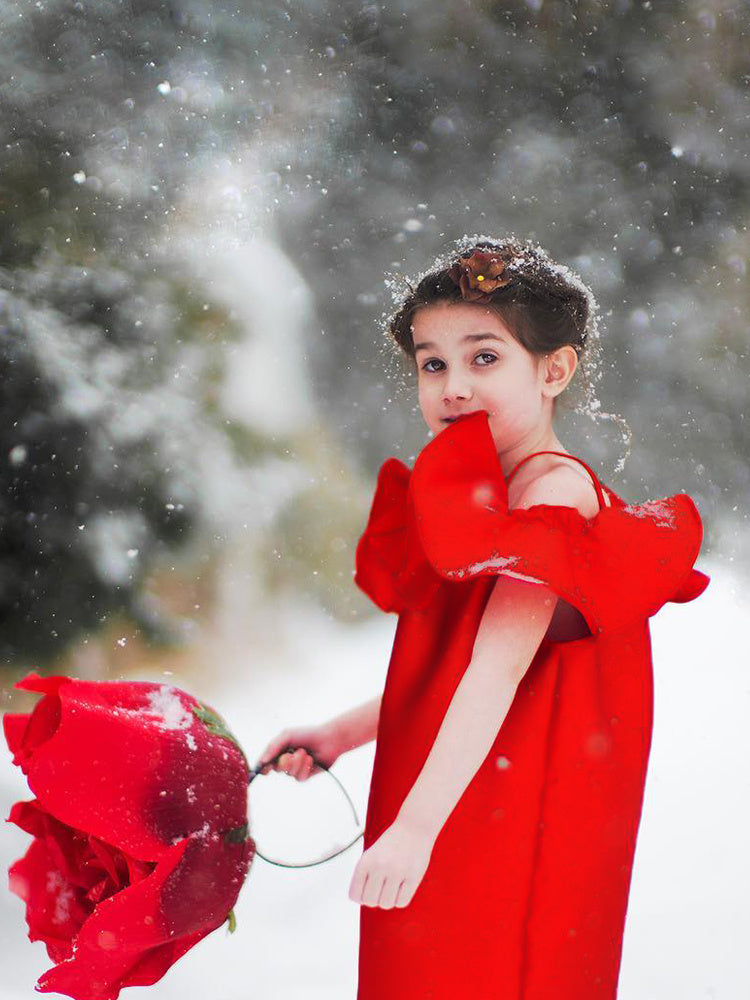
(300, 758)
(372, 889)
(389, 893)
(403, 896)
(293, 764)
(290, 762)
(270, 752)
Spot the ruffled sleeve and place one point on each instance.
(619, 567)
(381, 549)
(391, 566)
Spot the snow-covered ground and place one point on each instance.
(297, 930)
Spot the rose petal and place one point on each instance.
(14, 726)
(150, 968)
(68, 847)
(111, 860)
(100, 891)
(42, 725)
(136, 935)
(45, 685)
(114, 938)
(55, 909)
(204, 887)
(136, 779)
(138, 870)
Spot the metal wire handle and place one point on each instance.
(254, 772)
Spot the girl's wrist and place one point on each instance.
(333, 730)
(418, 827)
(344, 733)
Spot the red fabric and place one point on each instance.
(137, 786)
(526, 892)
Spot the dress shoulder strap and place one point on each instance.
(597, 485)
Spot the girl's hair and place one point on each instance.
(545, 305)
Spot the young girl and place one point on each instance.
(514, 730)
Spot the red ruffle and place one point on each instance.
(447, 520)
(391, 566)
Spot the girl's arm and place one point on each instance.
(359, 725)
(514, 622)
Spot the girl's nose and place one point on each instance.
(456, 390)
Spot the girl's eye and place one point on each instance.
(482, 354)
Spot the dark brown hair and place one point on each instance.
(545, 305)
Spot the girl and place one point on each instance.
(515, 724)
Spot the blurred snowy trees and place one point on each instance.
(101, 419)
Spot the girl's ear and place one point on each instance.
(559, 368)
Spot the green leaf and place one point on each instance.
(237, 834)
(216, 725)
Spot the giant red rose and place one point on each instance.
(141, 841)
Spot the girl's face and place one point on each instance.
(467, 360)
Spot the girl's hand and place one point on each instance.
(323, 741)
(390, 870)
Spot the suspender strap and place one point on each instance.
(596, 484)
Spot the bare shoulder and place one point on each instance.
(561, 485)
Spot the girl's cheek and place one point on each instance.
(508, 418)
(429, 395)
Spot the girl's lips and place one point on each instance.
(449, 420)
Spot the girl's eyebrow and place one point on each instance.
(426, 344)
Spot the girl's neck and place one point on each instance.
(547, 442)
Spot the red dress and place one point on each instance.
(526, 891)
